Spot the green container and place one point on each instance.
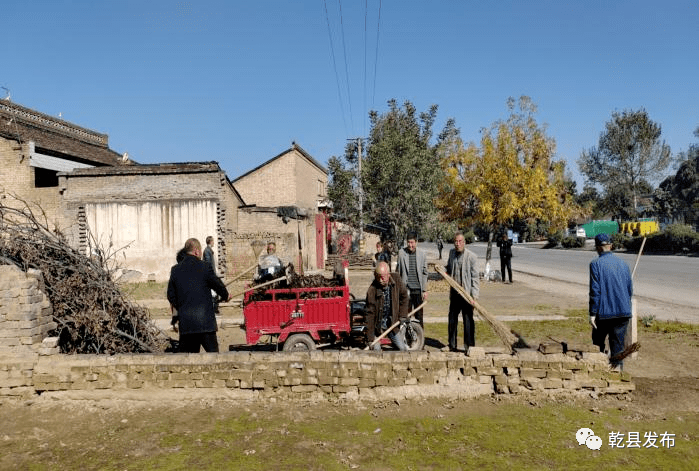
(600, 227)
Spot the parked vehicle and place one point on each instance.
(302, 319)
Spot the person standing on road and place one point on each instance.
(462, 267)
(209, 258)
(505, 245)
(382, 254)
(440, 246)
(189, 292)
(412, 268)
(611, 289)
(386, 303)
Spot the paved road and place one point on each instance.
(663, 281)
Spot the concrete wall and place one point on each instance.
(153, 232)
(152, 213)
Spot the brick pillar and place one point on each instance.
(26, 315)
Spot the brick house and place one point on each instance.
(99, 197)
(35, 147)
(284, 198)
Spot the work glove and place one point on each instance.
(592, 322)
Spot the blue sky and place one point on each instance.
(238, 81)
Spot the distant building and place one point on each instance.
(102, 200)
(285, 197)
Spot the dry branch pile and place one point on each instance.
(92, 314)
(294, 280)
(356, 260)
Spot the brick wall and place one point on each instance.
(348, 374)
(271, 185)
(30, 364)
(17, 178)
(307, 180)
(26, 315)
(285, 234)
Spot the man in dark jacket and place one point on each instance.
(209, 258)
(386, 303)
(505, 245)
(611, 289)
(189, 292)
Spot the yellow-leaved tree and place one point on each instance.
(511, 174)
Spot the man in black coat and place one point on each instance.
(505, 245)
(189, 292)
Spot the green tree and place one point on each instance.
(401, 171)
(677, 197)
(628, 154)
(342, 190)
(511, 175)
(591, 200)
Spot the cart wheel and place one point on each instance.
(299, 343)
(414, 336)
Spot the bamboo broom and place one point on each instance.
(504, 332)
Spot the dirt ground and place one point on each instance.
(665, 374)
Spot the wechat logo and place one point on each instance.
(586, 436)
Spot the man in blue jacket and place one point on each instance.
(610, 299)
(189, 291)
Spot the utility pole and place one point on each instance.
(361, 197)
(360, 192)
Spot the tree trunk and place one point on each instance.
(489, 251)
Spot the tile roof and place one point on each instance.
(55, 135)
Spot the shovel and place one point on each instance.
(395, 324)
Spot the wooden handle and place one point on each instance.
(410, 314)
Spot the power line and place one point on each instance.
(344, 51)
(337, 78)
(366, 10)
(376, 55)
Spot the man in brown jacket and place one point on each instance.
(387, 302)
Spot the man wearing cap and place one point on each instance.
(610, 298)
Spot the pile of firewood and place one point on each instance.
(356, 260)
(294, 280)
(92, 314)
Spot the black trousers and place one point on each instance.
(191, 343)
(615, 329)
(415, 301)
(506, 262)
(458, 305)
